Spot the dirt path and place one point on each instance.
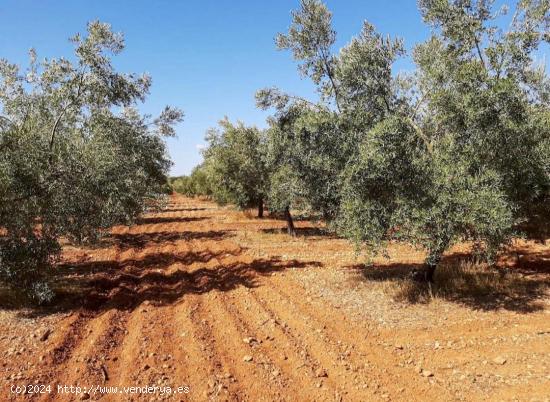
(206, 298)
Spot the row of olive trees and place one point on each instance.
(458, 150)
(195, 185)
(76, 157)
(239, 168)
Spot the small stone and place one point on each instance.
(427, 373)
(146, 367)
(248, 358)
(85, 396)
(399, 346)
(321, 372)
(45, 335)
(499, 360)
(249, 340)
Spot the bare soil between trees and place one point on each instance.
(230, 306)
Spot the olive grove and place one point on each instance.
(458, 150)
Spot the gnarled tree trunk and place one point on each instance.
(434, 258)
(289, 223)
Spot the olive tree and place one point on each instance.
(312, 142)
(457, 151)
(486, 110)
(196, 184)
(76, 156)
(235, 165)
(479, 163)
(292, 173)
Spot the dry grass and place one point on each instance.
(460, 280)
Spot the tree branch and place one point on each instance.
(56, 124)
(479, 53)
(418, 104)
(331, 78)
(64, 110)
(300, 99)
(421, 134)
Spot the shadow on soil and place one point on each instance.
(522, 288)
(129, 240)
(125, 285)
(161, 278)
(169, 219)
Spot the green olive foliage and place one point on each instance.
(459, 150)
(235, 165)
(76, 157)
(197, 184)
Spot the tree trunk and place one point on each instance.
(433, 260)
(289, 223)
(430, 271)
(261, 208)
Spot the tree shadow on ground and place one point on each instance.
(167, 210)
(522, 288)
(159, 277)
(169, 219)
(125, 241)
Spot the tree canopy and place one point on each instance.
(457, 150)
(235, 165)
(76, 155)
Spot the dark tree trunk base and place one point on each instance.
(289, 223)
(430, 271)
(424, 275)
(261, 209)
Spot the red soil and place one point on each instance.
(208, 298)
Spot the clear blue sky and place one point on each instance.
(207, 57)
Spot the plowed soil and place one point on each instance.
(231, 307)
